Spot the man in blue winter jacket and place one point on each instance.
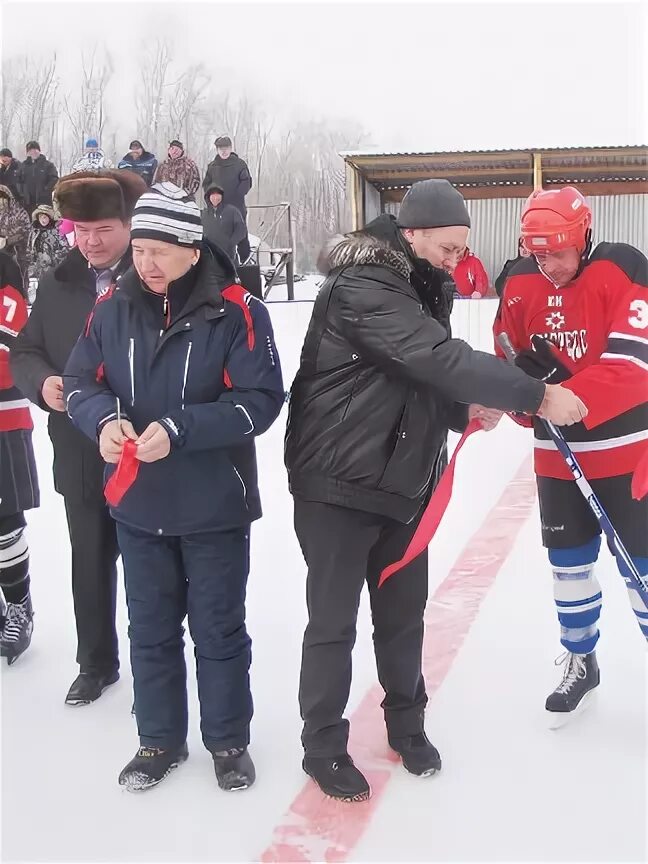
(181, 361)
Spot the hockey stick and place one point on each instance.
(616, 544)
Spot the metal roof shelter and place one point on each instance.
(377, 180)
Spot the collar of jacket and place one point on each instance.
(214, 273)
(75, 271)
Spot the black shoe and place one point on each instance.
(234, 769)
(338, 777)
(418, 755)
(581, 677)
(150, 766)
(17, 629)
(89, 686)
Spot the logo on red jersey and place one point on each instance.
(556, 320)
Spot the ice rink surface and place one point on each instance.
(510, 789)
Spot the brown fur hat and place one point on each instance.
(91, 196)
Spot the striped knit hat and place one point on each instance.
(167, 213)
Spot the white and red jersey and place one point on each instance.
(14, 408)
(599, 324)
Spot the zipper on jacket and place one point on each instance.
(131, 364)
(186, 373)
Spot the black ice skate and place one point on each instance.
(418, 755)
(234, 769)
(571, 696)
(150, 766)
(17, 630)
(337, 777)
(88, 687)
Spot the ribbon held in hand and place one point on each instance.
(124, 475)
(433, 514)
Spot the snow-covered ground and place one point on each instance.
(510, 790)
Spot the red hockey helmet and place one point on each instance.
(555, 219)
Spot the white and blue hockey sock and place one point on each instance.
(578, 595)
(638, 599)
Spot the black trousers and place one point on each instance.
(344, 549)
(93, 537)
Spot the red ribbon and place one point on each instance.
(433, 514)
(124, 476)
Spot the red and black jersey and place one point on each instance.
(599, 324)
(14, 408)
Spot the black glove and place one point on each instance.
(542, 362)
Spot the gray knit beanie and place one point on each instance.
(433, 204)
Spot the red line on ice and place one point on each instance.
(316, 828)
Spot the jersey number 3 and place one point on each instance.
(640, 319)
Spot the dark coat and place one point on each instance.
(12, 177)
(146, 166)
(209, 373)
(379, 380)
(39, 179)
(64, 300)
(224, 226)
(232, 175)
(18, 476)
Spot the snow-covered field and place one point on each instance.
(510, 790)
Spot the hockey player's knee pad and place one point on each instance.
(576, 555)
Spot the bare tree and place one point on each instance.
(29, 96)
(88, 116)
(150, 95)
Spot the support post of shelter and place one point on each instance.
(537, 172)
(354, 185)
(290, 264)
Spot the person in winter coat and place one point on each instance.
(100, 204)
(46, 246)
(231, 173)
(39, 178)
(223, 224)
(92, 159)
(179, 169)
(500, 282)
(470, 277)
(14, 230)
(140, 161)
(379, 385)
(18, 477)
(11, 174)
(179, 365)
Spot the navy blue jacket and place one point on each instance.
(146, 166)
(212, 378)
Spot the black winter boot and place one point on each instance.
(338, 777)
(418, 755)
(234, 769)
(150, 766)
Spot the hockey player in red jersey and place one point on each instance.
(580, 315)
(18, 478)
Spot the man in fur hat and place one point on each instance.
(100, 204)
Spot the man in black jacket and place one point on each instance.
(11, 174)
(231, 173)
(100, 204)
(39, 178)
(223, 224)
(380, 383)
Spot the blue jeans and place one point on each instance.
(203, 577)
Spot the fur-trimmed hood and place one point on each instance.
(354, 250)
(5, 192)
(43, 210)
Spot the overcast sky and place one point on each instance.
(416, 76)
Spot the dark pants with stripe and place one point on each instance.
(93, 538)
(344, 549)
(202, 577)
